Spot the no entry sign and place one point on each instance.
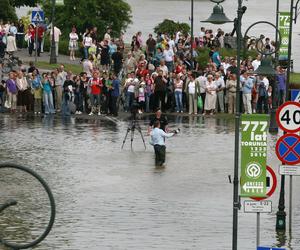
(288, 117)
(271, 187)
(288, 149)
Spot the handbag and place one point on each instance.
(7, 104)
(200, 102)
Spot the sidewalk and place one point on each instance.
(45, 57)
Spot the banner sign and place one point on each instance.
(284, 29)
(254, 155)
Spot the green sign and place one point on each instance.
(254, 155)
(284, 28)
(59, 2)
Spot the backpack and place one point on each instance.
(262, 92)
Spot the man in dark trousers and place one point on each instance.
(161, 118)
(160, 89)
(158, 141)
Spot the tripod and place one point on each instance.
(133, 125)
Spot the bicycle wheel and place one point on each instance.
(27, 223)
(6, 66)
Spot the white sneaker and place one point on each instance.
(79, 112)
(99, 113)
(91, 113)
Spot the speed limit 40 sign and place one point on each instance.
(288, 117)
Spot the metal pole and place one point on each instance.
(273, 123)
(277, 25)
(192, 30)
(236, 202)
(291, 204)
(257, 230)
(290, 51)
(36, 42)
(53, 58)
(281, 215)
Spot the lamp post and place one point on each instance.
(218, 17)
(281, 214)
(53, 58)
(192, 30)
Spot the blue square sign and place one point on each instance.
(295, 95)
(37, 16)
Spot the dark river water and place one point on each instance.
(108, 198)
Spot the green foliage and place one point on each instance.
(171, 27)
(203, 57)
(7, 11)
(19, 3)
(88, 13)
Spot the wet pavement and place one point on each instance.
(108, 198)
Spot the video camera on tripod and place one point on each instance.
(133, 124)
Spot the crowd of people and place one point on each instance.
(159, 72)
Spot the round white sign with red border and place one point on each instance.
(273, 184)
(288, 117)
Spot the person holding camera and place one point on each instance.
(158, 141)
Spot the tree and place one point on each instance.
(19, 3)
(7, 11)
(89, 13)
(171, 27)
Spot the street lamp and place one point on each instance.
(53, 58)
(218, 17)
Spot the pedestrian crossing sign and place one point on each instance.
(37, 16)
(295, 95)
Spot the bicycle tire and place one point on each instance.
(52, 204)
(6, 66)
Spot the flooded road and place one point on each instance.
(108, 198)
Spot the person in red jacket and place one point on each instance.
(95, 87)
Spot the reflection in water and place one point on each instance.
(108, 198)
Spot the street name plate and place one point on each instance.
(258, 206)
(289, 170)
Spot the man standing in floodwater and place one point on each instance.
(158, 141)
(161, 118)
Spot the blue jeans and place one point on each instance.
(129, 100)
(178, 99)
(95, 102)
(48, 103)
(86, 52)
(79, 101)
(148, 95)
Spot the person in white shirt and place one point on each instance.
(169, 57)
(87, 66)
(202, 84)
(256, 63)
(164, 68)
(57, 34)
(211, 95)
(220, 91)
(73, 44)
(193, 90)
(158, 141)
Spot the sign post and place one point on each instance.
(253, 155)
(258, 207)
(288, 145)
(37, 17)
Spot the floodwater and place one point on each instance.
(108, 198)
